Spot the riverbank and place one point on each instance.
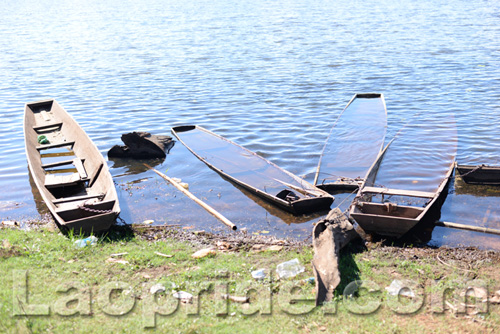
(125, 283)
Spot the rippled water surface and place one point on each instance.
(270, 75)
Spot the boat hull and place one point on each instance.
(482, 174)
(252, 172)
(389, 219)
(354, 142)
(68, 170)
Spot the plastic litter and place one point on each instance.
(90, 241)
(42, 139)
(259, 274)
(401, 288)
(289, 269)
(310, 280)
(157, 288)
(183, 296)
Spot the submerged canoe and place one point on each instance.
(253, 172)
(355, 141)
(480, 174)
(407, 179)
(68, 169)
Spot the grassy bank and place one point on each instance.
(49, 285)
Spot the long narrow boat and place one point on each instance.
(355, 141)
(253, 172)
(407, 179)
(480, 174)
(68, 169)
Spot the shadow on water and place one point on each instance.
(462, 188)
(134, 166)
(37, 197)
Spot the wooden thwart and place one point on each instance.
(56, 145)
(61, 163)
(47, 126)
(77, 198)
(79, 167)
(398, 192)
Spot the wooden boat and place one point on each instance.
(68, 169)
(480, 174)
(252, 172)
(355, 141)
(406, 180)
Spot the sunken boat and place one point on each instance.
(479, 174)
(407, 180)
(360, 128)
(252, 172)
(68, 170)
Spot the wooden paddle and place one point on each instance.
(205, 206)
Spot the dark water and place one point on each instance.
(269, 75)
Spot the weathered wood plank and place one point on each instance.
(56, 145)
(398, 192)
(77, 198)
(329, 237)
(47, 126)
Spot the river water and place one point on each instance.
(269, 75)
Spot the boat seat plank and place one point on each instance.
(57, 164)
(79, 167)
(69, 214)
(47, 126)
(398, 192)
(61, 163)
(54, 181)
(78, 198)
(45, 115)
(56, 145)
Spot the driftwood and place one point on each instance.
(204, 205)
(468, 227)
(329, 236)
(142, 145)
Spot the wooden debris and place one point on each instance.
(329, 236)
(118, 254)
(6, 244)
(236, 299)
(223, 245)
(113, 260)
(164, 255)
(203, 253)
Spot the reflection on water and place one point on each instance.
(355, 140)
(133, 166)
(420, 156)
(267, 75)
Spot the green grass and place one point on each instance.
(71, 289)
